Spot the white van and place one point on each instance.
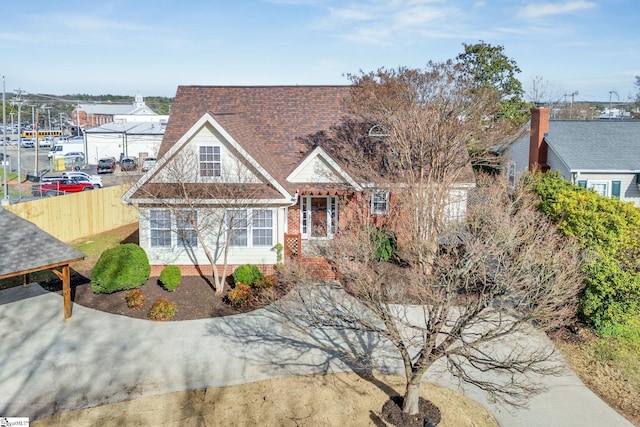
(60, 149)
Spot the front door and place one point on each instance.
(319, 216)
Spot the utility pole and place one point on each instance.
(611, 92)
(5, 199)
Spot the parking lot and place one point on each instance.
(25, 159)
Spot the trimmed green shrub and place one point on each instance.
(609, 232)
(247, 274)
(162, 309)
(120, 268)
(385, 244)
(170, 277)
(240, 295)
(135, 299)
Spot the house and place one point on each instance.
(603, 155)
(238, 155)
(92, 114)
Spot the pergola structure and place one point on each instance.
(25, 248)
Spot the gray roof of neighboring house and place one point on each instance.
(26, 247)
(598, 145)
(131, 128)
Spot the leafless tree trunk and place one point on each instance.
(209, 206)
(461, 288)
(502, 273)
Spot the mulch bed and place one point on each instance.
(428, 413)
(194, 298)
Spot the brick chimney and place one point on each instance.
(537, 145)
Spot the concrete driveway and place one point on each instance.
(47, 365)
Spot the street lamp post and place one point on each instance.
(34, 122)
(19, 143)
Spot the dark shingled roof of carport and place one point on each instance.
(27, 248)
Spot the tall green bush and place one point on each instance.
(170, 277)
(247, 274)
(120, 268)
(609, 232)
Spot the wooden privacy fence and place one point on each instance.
(77, 215)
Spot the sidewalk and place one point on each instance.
(47, 365)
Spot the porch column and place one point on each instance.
(65, 276)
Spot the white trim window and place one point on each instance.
(602, 187)
(456, 207)
(160, 228)
(210, 164)
(185, 221)
(163, 224)
(262, 227)
(250, 227)
(237, 226)
(380, 202)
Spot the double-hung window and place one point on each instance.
(262, 227)
(209, 161)
(160, 228)
(185, 221)
(380, 202)
(163, 224)
(237, 226)
(250, 227)
(602, 187)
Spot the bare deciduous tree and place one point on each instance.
(461, 288)
(208, 214)
(504, 272)
(543, 93)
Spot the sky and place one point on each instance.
(589, 48)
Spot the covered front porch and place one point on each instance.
(314, 221)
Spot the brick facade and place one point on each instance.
(206, 270)
(293, 219)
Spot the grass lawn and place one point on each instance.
(608, 365)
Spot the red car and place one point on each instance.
(62, 186)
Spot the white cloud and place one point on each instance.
(351, 14)
(417, 16)
(546, 9)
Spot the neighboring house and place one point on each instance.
(240, 152)
(92, 114)
(603, 155)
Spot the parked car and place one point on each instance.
(106, 165)
(94, 180)
(47, 141)
(63, 186)
(27, 143)
(148, 163)
(128, 164)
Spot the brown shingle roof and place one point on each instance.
(267, 121)
(203, 191)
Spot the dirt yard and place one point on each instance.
(330, 400)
